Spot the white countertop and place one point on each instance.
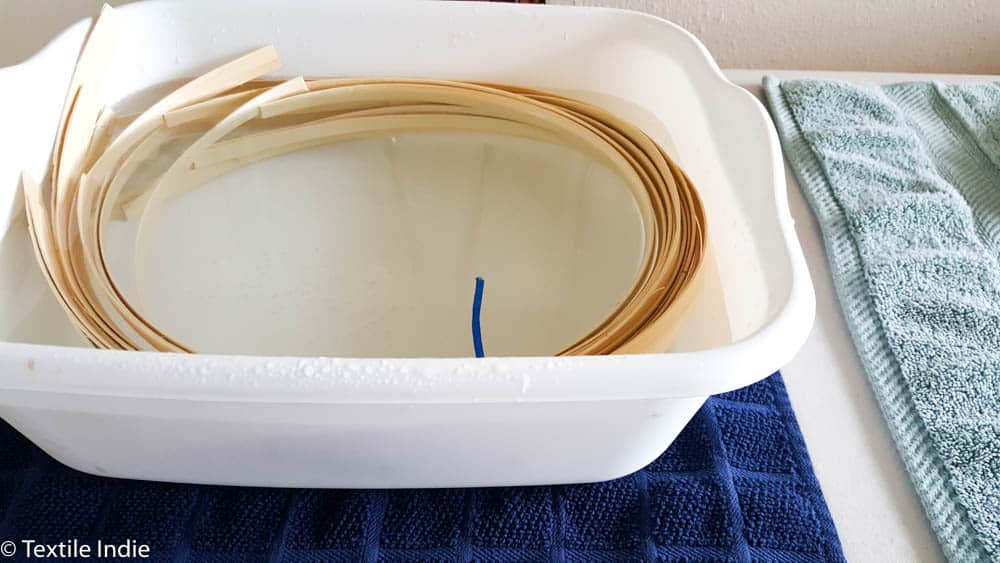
(876, 510)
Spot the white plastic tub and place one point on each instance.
(398, 422)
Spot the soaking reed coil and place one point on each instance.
(68, 217)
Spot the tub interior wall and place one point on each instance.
(608, 64)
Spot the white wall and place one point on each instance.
(891, 35)
(27, 25)
(950, 36)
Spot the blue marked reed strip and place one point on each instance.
(477, 305)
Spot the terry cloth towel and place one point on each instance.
(905, 182)
(736, 485)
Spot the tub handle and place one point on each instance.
(33, 93)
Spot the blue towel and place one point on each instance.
(905, 183)
(736, 485)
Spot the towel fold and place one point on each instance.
(905, 183)
(737, 485)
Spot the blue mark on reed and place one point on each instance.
(477, 306)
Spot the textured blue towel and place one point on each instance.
(737, 485)
(905, 182)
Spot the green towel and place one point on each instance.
(905, 183)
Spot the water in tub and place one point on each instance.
(370, 248)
